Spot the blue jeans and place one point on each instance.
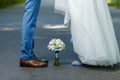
(28, 27)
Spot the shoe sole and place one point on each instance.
(23, 65)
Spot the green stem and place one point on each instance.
(56, 60)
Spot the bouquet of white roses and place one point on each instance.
(56, 45)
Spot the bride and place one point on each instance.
(92, 32)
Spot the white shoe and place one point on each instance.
(77, 63)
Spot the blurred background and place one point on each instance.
(6, 3)
(115, 3)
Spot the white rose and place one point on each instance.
(51, 43)
(52, 47)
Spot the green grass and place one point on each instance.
(115, 3)
(6, 3)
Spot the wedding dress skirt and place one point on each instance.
(92, 32)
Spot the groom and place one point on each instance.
(28, 58)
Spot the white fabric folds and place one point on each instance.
(92, 32)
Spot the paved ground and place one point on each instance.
(49, 25)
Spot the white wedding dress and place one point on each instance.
(92, 32)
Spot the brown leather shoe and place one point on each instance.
(32, 63)
(42, 60)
